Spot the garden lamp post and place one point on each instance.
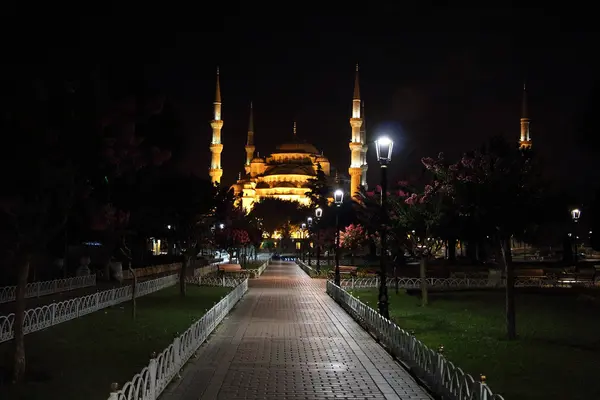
(575, 215)
(338, 197)
(383, 147)
(302, 235)
(309, 222)
(318, 215)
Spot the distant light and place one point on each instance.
(319, 212)
(168, 226)
(221, 226)
(575, 214)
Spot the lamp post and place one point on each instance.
(318, 215)
(338, 197)
(309, 222)
(383, 147)
(302, 232)
(575, 215)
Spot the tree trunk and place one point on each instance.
(506, 265)
(451, 245)
(19, 362)
(183, 273)
(423, 275)
(133, 291)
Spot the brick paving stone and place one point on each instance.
(288, 340)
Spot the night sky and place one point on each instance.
(444, 91)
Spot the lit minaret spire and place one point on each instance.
(295, 132)
(363, 153)
(216, 147)
(250, 141)
(525, 139)
(356, 145)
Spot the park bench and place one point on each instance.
(530, 273)
(345, 270)
(579, 275)
(230, 267)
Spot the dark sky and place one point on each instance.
(434, 81)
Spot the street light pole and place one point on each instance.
(338, 197)
(384, 155)
(575, 214)
(309, 221)
(318, 215)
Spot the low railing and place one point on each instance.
(55, 313)
(153, 379)
(38, 289)
(441, 375)
(216, 281)
(306, 268)
(457, 283)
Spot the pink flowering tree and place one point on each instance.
(497, 190)
(420, 215)
(353, 238)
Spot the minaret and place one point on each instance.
(295, 132)
(363, 154)
(525, 139)
(356, 145)
(250, 141)
(216, 147)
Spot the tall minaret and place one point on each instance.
(216, 147)
(356, 145)
(363, 153)
(525, 139)
(250, 141)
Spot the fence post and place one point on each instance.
(152, 376)
(114, 389)
(38, 288)
(223, 278)
(352, 282)
(53, 313)
(482, 385)
(176, 354)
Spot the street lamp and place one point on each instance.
(338, 198)
(302, 232)
(383, 147)
(309, 222)
(318, 215)
(575, 215)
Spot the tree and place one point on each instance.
(353, 238)
(273, 214)
(497, 189)
(65, 147)
(188, 204)
(419, 216)
(320, 190)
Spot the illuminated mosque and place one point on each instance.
(285, 174)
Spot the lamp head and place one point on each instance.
(319, 212)
(338, 197)
(575, 214)
(383, 147)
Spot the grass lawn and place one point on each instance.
(80, 358)
(556, 354)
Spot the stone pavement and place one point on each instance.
(287, 339)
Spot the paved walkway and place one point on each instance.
(288, 340)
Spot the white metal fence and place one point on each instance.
(37, 289)
(431, 366)
(153, 379)
(216, 281)
(55, 313)
(457, 283)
